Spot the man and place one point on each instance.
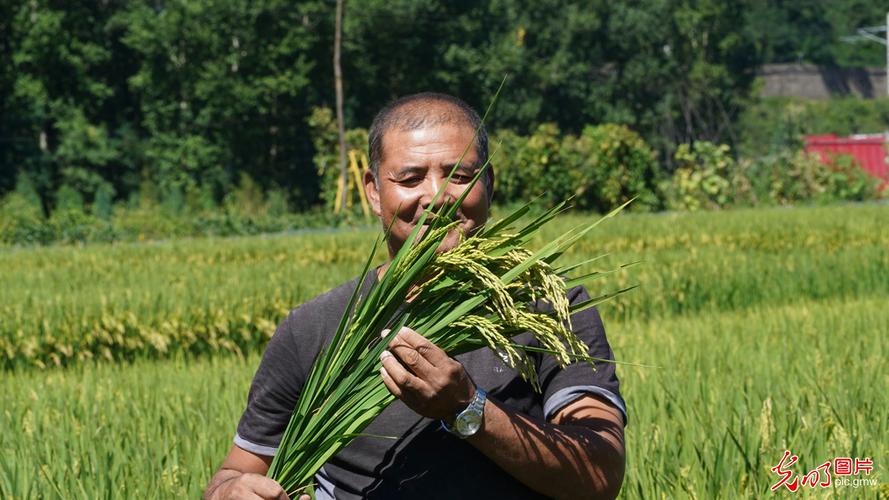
(453, 439)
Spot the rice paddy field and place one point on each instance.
(124, 368)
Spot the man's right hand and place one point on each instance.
(251, 486)
(242, 476)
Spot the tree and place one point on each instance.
(62, 81)
(224, 88)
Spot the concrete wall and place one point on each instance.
(821, 82)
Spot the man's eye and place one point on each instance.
(410, 181)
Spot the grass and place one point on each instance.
(767, 327)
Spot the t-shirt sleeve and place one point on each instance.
(275, 390)
(561, 386)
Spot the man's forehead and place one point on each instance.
(435, 138)
(427, 113)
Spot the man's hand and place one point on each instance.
(250, 486)
(422, 375)
(242, 476)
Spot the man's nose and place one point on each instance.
(431, 189)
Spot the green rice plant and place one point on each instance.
(96, 430)
(737, 388)
(480, 293)
(61, 305)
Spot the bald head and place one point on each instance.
(427, 109)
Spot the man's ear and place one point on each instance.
(372, 191)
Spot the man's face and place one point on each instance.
(415, 165)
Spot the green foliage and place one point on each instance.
(59, 108)
(847, 181)
(192, 93)
(703, 177)
(792, 178)
(85, 151)
(69, 199)
(186, 92)
(708, 177)
(188, 95)
(22, 222)
(103, 201)
(532, 166)
(672, 71)
(247, 198)
(71, 226)
(618, 166)
(229, 96)
(24, 187)
(813, 31)
(276, 203)
(602, 168)
(156, 223)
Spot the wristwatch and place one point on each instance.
(470, 420)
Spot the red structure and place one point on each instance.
(869, 150)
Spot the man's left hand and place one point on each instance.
(424, 377)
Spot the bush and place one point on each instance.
(246, 198)
(68, 198)
(276, 203)
(103, 203)
(70, 225)
(603, 167)
(618, 165)
(22, 223)
(794, 177)
(845, 180)
(24, 186)
(528, 167)
(703, 177)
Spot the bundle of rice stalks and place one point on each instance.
(480, 293)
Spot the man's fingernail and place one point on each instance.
(384, 355)
(385, 332)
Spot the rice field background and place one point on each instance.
(125, 367)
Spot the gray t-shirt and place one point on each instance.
(425, 461)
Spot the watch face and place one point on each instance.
(468, 423)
